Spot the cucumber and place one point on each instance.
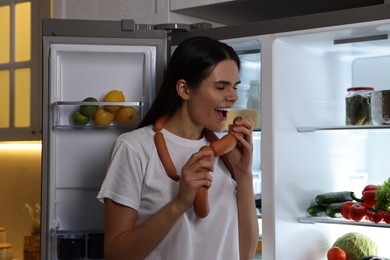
(333, 210)
(328, 198)
(316, 210)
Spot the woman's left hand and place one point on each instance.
(241, 157)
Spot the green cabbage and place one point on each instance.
(356, 245)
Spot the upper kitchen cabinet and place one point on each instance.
(141, 11)
(231, 12)
(20, 70)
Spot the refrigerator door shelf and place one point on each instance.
(62, 112)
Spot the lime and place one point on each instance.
(80, 119)
(89, 110)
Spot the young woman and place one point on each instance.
(150, 215)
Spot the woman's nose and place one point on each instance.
(232, 95)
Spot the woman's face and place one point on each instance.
(216, 95)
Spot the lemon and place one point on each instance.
(113, 96)
(88, 110)
(126, 116)
(103, 117)
(79, 118)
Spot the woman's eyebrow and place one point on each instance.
(226, 82)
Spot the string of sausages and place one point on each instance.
(218, 147)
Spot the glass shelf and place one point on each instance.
(62, 112)
(328, 128)
(325, 220)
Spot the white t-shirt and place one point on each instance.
(136, 178)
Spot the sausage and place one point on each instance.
(166, 160)
(224, 145)
(159, 124)
(201, 202)
(219, 147)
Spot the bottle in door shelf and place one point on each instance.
(358, 106)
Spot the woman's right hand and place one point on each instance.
(195, 174)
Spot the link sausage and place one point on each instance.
(201, 202)
(219, 147)
(163, 153)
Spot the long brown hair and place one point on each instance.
(193, 60)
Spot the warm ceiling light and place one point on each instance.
(21, 145)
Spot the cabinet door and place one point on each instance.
(182, 4)
(20, 70)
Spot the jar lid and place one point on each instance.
(5, 245)
(360, 88)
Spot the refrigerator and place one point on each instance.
(299, 69)
(88, 59)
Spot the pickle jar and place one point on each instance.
(358, 106)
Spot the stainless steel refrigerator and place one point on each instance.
(299, 68)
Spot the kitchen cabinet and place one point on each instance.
(180, 4)
(20, 70)
(231, 12)
(141, 11)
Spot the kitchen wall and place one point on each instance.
(20, 173)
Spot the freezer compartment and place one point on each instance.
(64, 114)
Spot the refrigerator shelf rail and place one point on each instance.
(330, 128)
(62, 114)
(324, 220)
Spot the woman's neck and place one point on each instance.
(181, 125)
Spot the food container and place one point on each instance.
(358, 106)
(380, 107)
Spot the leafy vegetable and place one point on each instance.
(356, 245)
(382, 196)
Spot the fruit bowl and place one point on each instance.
(380, 107)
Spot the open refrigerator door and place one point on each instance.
(314, 151)
(76, 152)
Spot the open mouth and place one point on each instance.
(223, 111)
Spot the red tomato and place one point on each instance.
(357, 212)
(344, 210)
(368, 215)
(386, 217)
(376, 216)
(336, 253)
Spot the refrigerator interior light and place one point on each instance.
(361, 39)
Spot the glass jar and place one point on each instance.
(358, 106)
(5, 251)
